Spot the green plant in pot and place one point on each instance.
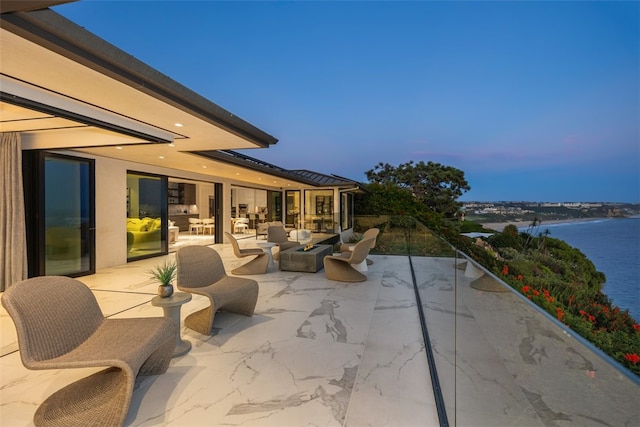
(164, 273)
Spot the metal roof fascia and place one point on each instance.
(52, 31)
(327, 180)
(230, 159)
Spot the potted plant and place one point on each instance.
(164, 273)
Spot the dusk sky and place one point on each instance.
(536, 101)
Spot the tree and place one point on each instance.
(386, 199)
(436, 186)
(391, 200)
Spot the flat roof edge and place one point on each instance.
(53, 31)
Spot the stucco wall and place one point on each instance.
(111, 213)
(111, 203)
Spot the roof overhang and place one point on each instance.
(305, 177)
(26, 5)
(247, 163)
(63, 87)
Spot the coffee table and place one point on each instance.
(311, 261)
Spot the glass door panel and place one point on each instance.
(274, 205)
(293, 208)
(319, 211)
(69, 225)
(147, 220)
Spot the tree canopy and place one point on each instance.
(436, 186)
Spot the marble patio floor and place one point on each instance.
(316, 352)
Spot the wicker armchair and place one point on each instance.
(201, 272)
(339, 267)
(278, 235)
(258, 265)
(60, 326)
(370, 233)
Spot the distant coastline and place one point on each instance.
(497, 215)
(499, 226)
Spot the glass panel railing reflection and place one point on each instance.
(516, 365)
(500, 359)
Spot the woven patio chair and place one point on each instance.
(278, 235)
(339, 267)
(60, 326)
(258, 265)
(370, 233)
(201, 272)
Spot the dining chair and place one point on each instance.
(195, 224)
(208, 224)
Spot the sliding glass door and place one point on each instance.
(60, 215)
(292, 218)
(147, 222)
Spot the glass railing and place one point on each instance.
(500, 359)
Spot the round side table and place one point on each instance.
(266, 247)
(171, 307)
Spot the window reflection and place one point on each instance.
(67, 216)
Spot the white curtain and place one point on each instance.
(13, 247)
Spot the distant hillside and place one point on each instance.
(489, 212)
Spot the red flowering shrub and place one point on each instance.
(596, 319)
(633, 358)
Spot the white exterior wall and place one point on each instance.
(111, 213)
(111, 203)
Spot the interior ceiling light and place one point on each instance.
(178, 125)
(172, 145)
(204, 166)
(161, 157)
(237, 173)
(118, 148)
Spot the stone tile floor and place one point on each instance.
(316, 352)
(319, 352)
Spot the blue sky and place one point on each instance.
(534, 101)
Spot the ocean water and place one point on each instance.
(613, 245)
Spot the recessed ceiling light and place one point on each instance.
(204, 166)
(172, 145)
(118, 148)
(179, 125)
(161, 157)
(237, 173)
